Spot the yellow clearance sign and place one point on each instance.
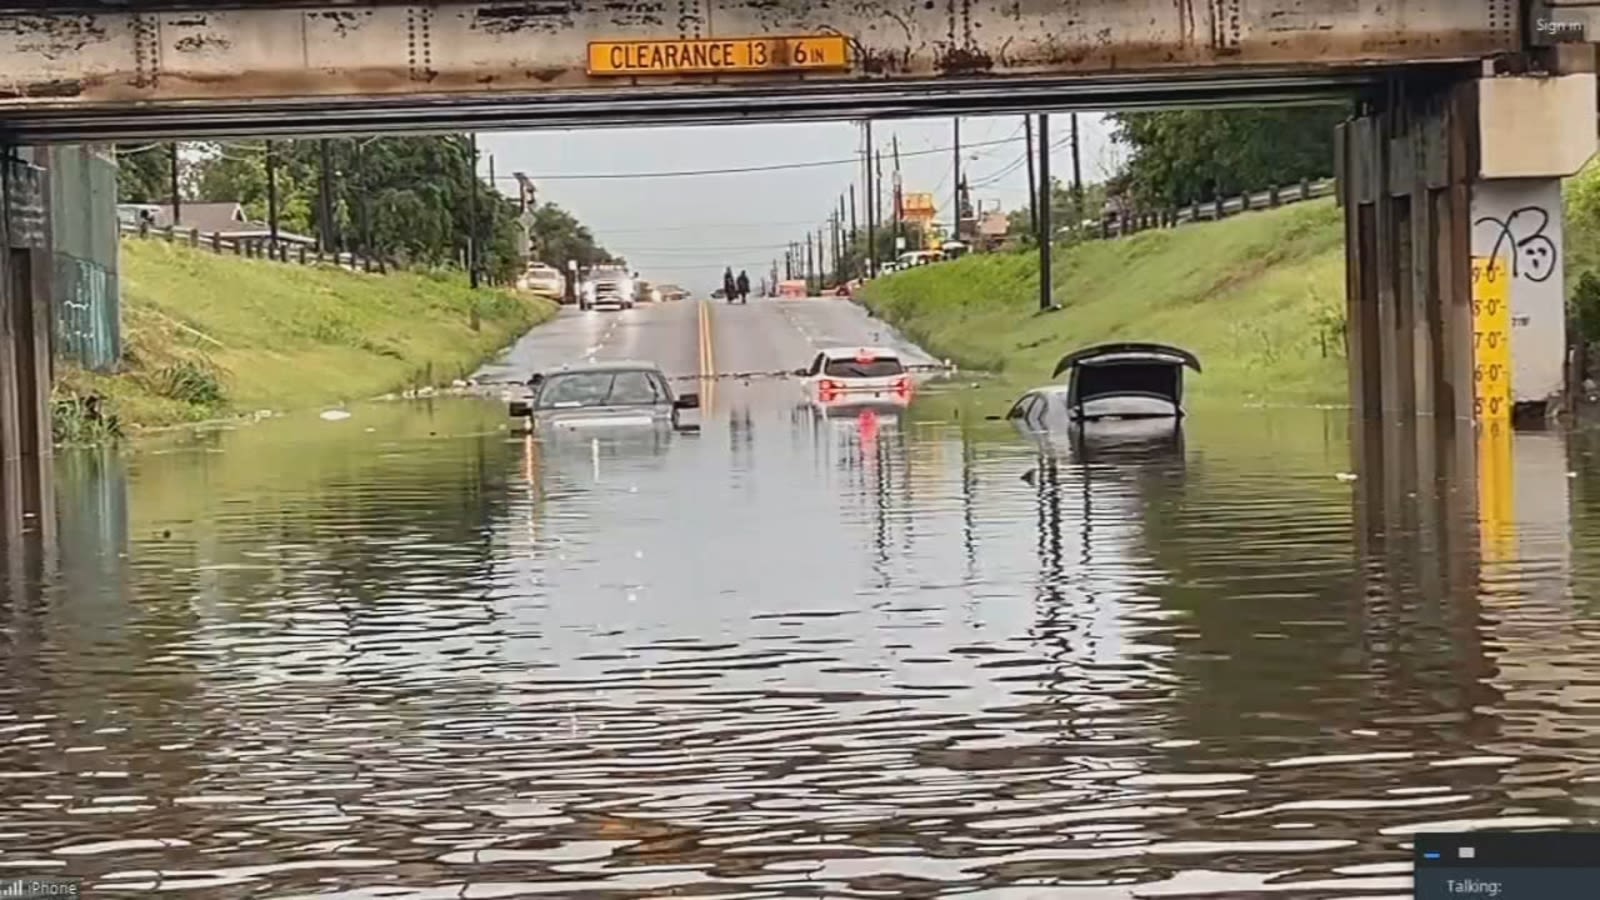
(723, 55)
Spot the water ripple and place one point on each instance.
(780, 659)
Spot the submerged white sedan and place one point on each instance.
(603, 396)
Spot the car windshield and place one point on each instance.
(877, 367)
(584, 389)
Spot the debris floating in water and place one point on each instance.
(1345, 476)
(335, 415)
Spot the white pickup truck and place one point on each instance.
(607, 287)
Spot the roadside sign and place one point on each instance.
(822, 52)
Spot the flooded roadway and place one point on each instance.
(413, 654)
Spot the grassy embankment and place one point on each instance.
(1259, 298)
(208, 337)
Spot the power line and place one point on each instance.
(1012, 166)
(692, 227)
(706, 248)
(740, 170)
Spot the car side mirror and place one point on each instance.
(801, 372)
(520, 408)
(687, 401)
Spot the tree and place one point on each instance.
(406, 199)
(144, 173)
(1185, 156)
(1062, 215)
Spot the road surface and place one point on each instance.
(764, 337)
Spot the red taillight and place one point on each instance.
(903, 386)
(827, 388)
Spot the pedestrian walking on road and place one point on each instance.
(730, 288)
(744, 287)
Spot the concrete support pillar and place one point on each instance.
(1406, 168)
(25, 350)
(1453, 222)
(1533, 131)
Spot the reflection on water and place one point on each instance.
(415, 654)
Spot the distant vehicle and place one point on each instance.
(645, 292)
(913, 258)
(546, 281)
(718, 294)
(623, 394)
(607, 287)
(857, 377)
(1109, 382)
(671, 293)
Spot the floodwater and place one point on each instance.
(415, 654)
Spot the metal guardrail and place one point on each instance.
(1127, 223)
(254, 248)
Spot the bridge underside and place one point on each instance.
(171, 68)
(605, 108)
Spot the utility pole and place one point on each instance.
(822, 260)
(809, 268)
(877, 188)
(472, 216)
(840, 240)
(1046, 291)
(899, 198)
(325, 228)
(855, 235)
(272, 195)
(177, 202)
(526, 201)
(872, 221)
(362, 192)
(955, 215)
(1033, 185)
(1077, 179)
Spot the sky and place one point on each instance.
(685, 229)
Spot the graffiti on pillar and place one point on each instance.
(1518, 223)
(1521, 236)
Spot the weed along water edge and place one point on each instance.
(1260, 298)
(209, 337)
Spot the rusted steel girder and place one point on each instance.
(51, 60)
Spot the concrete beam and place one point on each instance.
(449, 48)
(1536, 127)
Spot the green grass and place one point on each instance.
(207, 336)
(1259, 298)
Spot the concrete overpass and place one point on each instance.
(153, 68)
(1468, 115)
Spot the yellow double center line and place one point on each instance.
(708, 360)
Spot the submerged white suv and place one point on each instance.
(857, 376)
